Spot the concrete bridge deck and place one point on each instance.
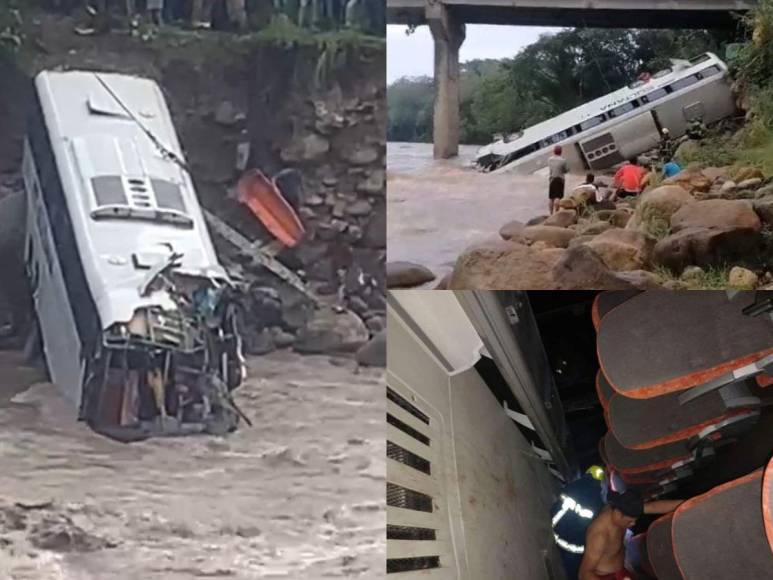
(592, 13)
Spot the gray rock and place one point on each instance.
(375, 232)
(359, 207)
(358, 305)
(364, 155)
(373, 354)
(580, 268)
(258, 343)
(376, 324)
(308, 148)
(281, 338)
(750, 183)
(228, 115)
(764, 209)
(407, 275)
(329, 332)
(374, 183)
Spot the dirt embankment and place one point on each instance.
(316, 106)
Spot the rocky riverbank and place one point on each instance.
(707, 227)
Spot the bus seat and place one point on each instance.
(660, 459)
(657, 343)
(721, 533)
(660, 550)
(606, 301)
(648, 423)
(767, 503)
(604, 390)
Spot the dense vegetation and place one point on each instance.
(557, 73)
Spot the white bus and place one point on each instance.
(137, 317)
(622, 124)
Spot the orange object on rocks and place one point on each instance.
(268, 204)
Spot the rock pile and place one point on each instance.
(712, 219)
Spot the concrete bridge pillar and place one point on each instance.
(448, 34)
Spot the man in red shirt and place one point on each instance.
(630, 180)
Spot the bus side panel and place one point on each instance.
(61, 343)
(636, 135)
(716, 98)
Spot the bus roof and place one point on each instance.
(128, 203)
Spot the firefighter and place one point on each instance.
(580, 501)
(667, 146)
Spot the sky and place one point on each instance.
(413, 55)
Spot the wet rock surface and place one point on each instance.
(299, 495)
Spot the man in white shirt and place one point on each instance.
(558, 168)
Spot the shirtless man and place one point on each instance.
(604, 557)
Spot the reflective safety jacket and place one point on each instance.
(571, 515)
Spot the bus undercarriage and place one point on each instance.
(169, 371)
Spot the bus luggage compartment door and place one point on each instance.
(601, 151)
(627, 139)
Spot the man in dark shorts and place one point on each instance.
(604, 555)
(558, 168)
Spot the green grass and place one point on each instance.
(713, 278)
(655, 224)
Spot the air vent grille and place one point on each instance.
(407, 429)
(402, 497)
(408, 458)
(409, 564)
(400, 401)
(409, 533)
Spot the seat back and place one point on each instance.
(660, 550)
(721, 533)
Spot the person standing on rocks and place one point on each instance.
(155, 10)
(558, 168)
(667, 146)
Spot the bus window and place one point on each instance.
(622, 109)
(710, 72)
(590, 123)
(654, 96)
(699, 59)
(684, 83)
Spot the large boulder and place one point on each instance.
(504, 266)
(691, 181)
(714, 173)
(706, 247)
(594, 228)
(764, 209)
(551, 235)
(658, 205)
(641, 279)
(562, 219)
(580, 268)
(744, 173)
(407, 275)
(623, 250)
(330, 331)
(716, 213)
(513, 231)
(620, 217)
(373, 354)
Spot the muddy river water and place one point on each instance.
(438, 208)
(298, 495)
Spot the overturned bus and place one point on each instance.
(138, 320)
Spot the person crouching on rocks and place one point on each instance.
(558, 168)
(630, 180)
